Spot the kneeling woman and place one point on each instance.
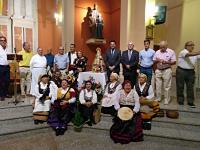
(62, 109)
(88, 100)
(110, 95)
(44, 92)
(127, 128)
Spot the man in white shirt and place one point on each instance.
(72, 56)
(38, 65)
(4, 69)
(185, 73)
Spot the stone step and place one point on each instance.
(183, 110)
(179, 132)
(185, 117)
(88, 139)
(15, 112)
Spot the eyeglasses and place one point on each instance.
(3, 40)
(61, 49)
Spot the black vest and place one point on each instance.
(143, 93)
(112, 90)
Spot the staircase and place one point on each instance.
(17, 131)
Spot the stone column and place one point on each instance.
(68, 23)
(132, 24)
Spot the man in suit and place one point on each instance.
(112, 59)
(130, 60)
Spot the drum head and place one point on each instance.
(125, 113)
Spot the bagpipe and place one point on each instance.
(45, 94)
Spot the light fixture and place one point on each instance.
(58, 15)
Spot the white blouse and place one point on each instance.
(52, 93)
(131, 99)
(110, 99)
(90, 93)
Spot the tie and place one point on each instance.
(112, 52)
(129, 55)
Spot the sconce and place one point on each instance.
(58, 15)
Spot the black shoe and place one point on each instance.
(180, 103)
(192, 105)
(2, 98)
(41, 121)
(62, 131)
(89, 123)
(57, 131)
(36, 121)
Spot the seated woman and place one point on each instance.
(127, 130)
(146, 94)
(62, 109)
(110, 95)
(44, 93)
(80, 64)
(56, 78)
(88, 100)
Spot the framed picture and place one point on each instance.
(150, 32)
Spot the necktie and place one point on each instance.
(112, 52)
(129, 55)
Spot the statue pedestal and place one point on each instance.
(94, 41)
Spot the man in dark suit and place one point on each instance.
(130, 60)
(112, 59)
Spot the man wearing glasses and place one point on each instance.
(4, 69)
(61, 62)
(185, 73)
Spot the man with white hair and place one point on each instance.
(38, 65)
(130, 60)
(164, 58)
(185, 73)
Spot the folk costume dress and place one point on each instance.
(110, 97)
(87, 96)
(44, 94)
(131, 130)
(61, 115)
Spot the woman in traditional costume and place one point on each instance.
(63, 108)
(149, 107)
(88, 102)
(110, 95)
(127, 125)
(44, 93)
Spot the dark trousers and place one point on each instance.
(147, 72)
(87, 112)
(4, 80)
(185, 76)
(131, 76)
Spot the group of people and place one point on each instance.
(52, 80)
(148, 61)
